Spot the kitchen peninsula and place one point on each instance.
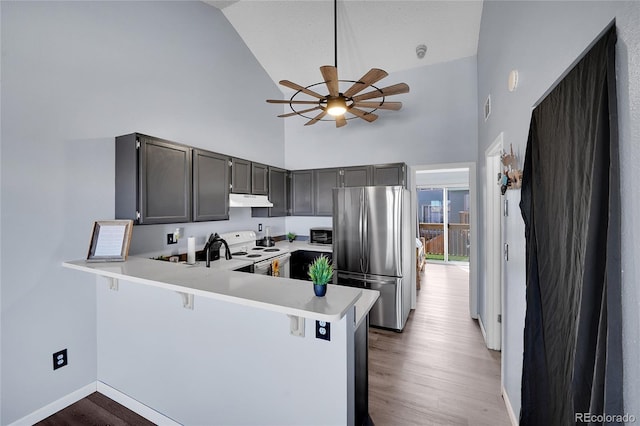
(212, 346)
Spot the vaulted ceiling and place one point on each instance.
(292, 38)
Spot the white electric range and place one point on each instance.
(243, 245)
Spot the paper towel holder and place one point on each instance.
(191, 251)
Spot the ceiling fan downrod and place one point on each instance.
(335, 33)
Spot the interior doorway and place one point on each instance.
(443, 215)
(491, 319)
(457, 206)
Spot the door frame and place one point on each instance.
(473, 225)
(493, 276)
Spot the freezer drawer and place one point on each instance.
(388, 311)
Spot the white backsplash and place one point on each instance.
(152, 239)
(300, 225)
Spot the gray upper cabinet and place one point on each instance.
(356, 176)
(302, 203)
(159, 181)
(311, 190)
(153, 180)
(278, 195)
(325, 180)
(389, 174)
(259, 179)
(240, 176)
(278, 191)
(210, 186)
(249, 178)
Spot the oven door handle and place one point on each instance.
(280, 257)
(266, 264)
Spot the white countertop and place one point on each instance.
(364, 304)
(221, 264)
(292, 297)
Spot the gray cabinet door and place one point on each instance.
(165, 181)
(302, 193)
(259, 179)
(278, 195)
(278, 191)
(210, 186)
(356, 176)
(325, 180)
(389, 174)
(127, 178)
(240, 176)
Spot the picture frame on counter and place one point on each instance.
(110, 241)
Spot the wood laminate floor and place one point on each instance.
(95, 410)
(438, 371)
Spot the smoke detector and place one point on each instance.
(421, 50)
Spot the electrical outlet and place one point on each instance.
(323, 330)
(171, 239)
(259, 227)
(60, 359)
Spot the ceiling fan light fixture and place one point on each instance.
(336, 107)
(338, 104)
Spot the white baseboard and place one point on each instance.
(484, 336)
(56, 406)
(135, 406)
(507, 403)
(75, 396)
(484, 333)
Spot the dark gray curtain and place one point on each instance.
(571, 208)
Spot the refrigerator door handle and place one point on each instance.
(361, 230)
(367, 279)
(365, 235)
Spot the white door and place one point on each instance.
(491, 321)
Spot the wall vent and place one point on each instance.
(487, 108)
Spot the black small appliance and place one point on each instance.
(212, 249)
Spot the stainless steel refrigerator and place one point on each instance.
(372, 248)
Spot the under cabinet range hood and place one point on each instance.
(248, 200)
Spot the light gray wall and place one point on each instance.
(442, 178)
(75, 75)
(152, 239)
(542, 40)
(1, 228)
(436, 125)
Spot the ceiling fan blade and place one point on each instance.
(374, 75)
(341, 121)
(315, 119)
(395, 106)
(396, 89)
(291, 114)
(330, 75)
(284, 101)
(368, 116)
(295, 86)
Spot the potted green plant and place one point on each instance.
(320, 272)
(291, 236)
